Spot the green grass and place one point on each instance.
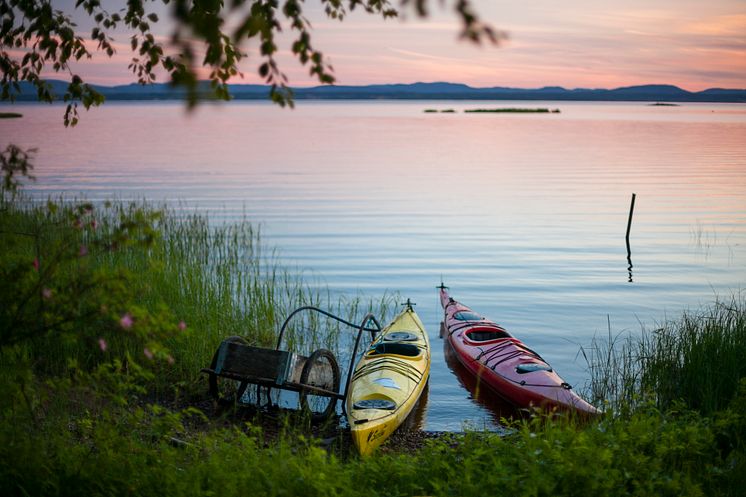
(219, 279)
(697, 359)
(649, 454)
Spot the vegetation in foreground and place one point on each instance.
(109, 311)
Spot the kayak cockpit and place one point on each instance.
(486, 334)
(467, 316)
(407, 350)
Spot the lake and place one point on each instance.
(522, 215)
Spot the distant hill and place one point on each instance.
(423, 91)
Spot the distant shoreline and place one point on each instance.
(419, 91)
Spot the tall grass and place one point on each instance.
(219, 279)
(698, 359)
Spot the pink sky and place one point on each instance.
(574, 43)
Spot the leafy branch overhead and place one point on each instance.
(208, 37)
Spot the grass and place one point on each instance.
(218, 279)
(697, 359)
(649, 454)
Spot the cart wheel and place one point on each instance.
(224, 390)
(321, 371)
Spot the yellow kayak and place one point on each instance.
(388, 381)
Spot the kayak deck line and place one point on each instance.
(400, 366)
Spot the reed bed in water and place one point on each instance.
(697, 358)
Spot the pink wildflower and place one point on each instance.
(83, 251)
(36, 263)
(46, 293)
(148, 353)
(182, 325)
(126, 321)
(170, 360)
(102, 344)
(94, 224)
(77, 224)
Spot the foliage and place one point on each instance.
(15, 162)
(35, 37)
(151, 451)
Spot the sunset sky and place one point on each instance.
(574, 43)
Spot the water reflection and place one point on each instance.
(494, 404)
(629, 262)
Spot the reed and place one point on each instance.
(696, 359)
(216, 279)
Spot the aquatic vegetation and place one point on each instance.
(696, 359)
(514, 110)
(10, 115)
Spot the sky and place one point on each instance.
(574, 43)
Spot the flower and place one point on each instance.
(94, 224)
(102, 344)
(77, 224)
(148, 353)
(46, 293)
(126, 321)
(170, 360)
(182, 325)
(36, 263)
(83, 251)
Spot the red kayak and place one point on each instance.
(504, 363)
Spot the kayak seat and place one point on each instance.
(485, 335)
(397, 348)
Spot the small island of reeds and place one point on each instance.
(514, 110)
(445, 111)
(663, 104)
(10, 115)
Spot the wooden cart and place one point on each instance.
(316, 378)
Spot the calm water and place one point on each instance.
(523, 216)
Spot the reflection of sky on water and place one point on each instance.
(523, 216)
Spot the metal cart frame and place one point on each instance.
(236, 364)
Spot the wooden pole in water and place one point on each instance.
(629, 226)
(631, 211)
